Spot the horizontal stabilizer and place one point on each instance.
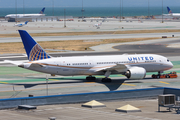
(14, 62)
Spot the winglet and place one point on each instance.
(33, 50)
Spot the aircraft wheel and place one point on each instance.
(167, 76)
(106, 80)
(89, 78)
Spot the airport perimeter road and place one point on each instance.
(92, 37)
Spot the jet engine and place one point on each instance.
(136, 73)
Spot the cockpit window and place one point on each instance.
(167, 60)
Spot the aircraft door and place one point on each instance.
(91, 63)
(58, 68)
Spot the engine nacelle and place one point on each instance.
(136, 73)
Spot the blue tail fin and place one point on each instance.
(33, 49)
(26, 22)
(169, 10)
(42, 11)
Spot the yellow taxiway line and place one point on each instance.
(164, 82)
(128, 84)
(4, 82)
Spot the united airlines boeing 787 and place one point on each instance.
(170, 13)
(132, 66)
(41, 13)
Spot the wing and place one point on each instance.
(117, 67)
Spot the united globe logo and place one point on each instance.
(37, 53)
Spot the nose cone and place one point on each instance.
(170, 65)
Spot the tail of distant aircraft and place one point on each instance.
(26, 22)
(169, 10)
(42, 11)
(33, 49)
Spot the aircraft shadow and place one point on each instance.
(112, 86)
(49, 83)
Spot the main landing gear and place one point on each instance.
(104, 80)
(90, 78)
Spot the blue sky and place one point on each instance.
(87, 3)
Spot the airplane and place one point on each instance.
(20, 25)
(26, 15)
(97, 25)
(175, 15)
(132, 66)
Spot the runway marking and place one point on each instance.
(164, 82)
(89, 82)
(100, 76)
(53, 79)
(4, 82)
(128, 84)
(121, 75)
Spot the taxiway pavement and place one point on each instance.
(92, 37)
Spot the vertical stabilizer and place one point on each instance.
(26, 22)
(169, 10)
(42, 11)
(34, 50)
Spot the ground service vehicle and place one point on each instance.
(168, 75)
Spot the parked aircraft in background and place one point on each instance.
(41, 13)
(170, 13)
(97, 25)
(132, 66)
(20, 25)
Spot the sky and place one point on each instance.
(87, 3)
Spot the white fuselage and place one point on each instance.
(23, 15)
(94, 65)
(175, 15)
(19, 25)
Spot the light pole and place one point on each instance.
(23, 6)
(148, 8)
(46, 85)
(82, 10)
(162, 12)
(53, 7)
(16, 11)
(122, 9)
(64, 18)
(120, 12)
